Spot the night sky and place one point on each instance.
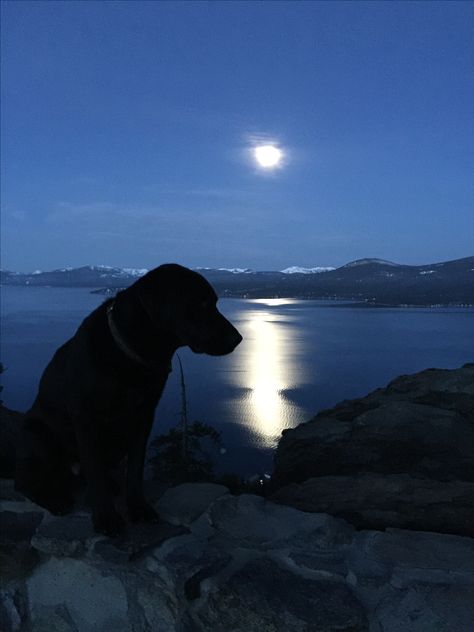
(128, 132)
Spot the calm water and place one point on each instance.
(297, 357)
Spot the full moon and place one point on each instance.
(268, 156)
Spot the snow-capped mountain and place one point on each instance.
(299, 270)
(231, 270)
(371, 281)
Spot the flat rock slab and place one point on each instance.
(263, 596)
(256, 523)
(184, 503)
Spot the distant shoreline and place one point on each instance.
(341, 302)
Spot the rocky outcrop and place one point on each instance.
(365, 531)
(403, 456)
(223, 562)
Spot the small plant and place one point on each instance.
(179, 456)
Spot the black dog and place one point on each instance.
(97, 396)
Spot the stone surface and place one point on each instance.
(255, 522)
(187, 562)
(377, 500)
(408, 557)
(423, 608)
(94, 599)
(178, 506)
(139, 540)
(157, 608)
(245, 563)
(10, 617)
(401, 456)
(64, 536)
(263, 596)
(256, 566)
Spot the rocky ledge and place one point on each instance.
(367, 529)
(219, 562)
(403, 456)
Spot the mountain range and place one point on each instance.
(368, 281)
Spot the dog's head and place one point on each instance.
(181, 302)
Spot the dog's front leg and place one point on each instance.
(138, 508)
(105, 518)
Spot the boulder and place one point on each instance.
(403, 456)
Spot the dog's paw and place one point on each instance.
(108, 522)
(60, 507)
(142, 512)
(57, 505)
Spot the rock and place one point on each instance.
(10, 617)
(405, 558)
(186, 562)
(178, 506)
(93, 599)
(422, 608)
(137, 542)
(245, 563)
(377, 500)
(401, 456)
(257, 566)
(156, 607)
(263, 596)
(64, 536)
(257, 523)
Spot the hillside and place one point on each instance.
(371, 281)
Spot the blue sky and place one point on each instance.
(127, 129)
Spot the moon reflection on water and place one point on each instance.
(268, 372)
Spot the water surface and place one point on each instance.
(297, 357)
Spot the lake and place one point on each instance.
(297, 357)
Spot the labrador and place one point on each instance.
(97, 396)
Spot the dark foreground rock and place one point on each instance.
(226, 563)
(403, 456)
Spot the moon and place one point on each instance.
(268, 156)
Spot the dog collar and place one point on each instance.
(123, 345)
(119, 340)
